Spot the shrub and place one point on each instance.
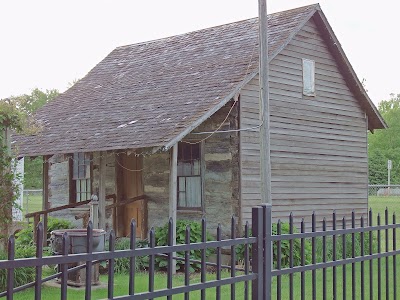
(25, 236)
(285, 248)
(121, 265)
(339, 246)
(161, 235)
(21, 275)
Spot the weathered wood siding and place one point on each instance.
(220, 180)
(318, 144)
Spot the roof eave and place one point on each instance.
(209, 113)
(375, 120)
(239, 86)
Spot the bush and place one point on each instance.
(339, 246)
(21, 275)
(25, 236)
(285, 248)
(121, 265)
(161, 235)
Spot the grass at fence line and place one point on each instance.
(32, 203)
(141, 283)
(121, 285)
(348, 284)
(379, 204)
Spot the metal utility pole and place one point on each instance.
(389, 167)
(265, 157)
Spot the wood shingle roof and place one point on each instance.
(146, 94)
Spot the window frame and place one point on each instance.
(73, 193)
(200, 146)
(308, 65)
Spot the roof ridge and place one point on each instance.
(316, 6)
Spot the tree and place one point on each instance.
(385, 144)
(10, 119)
(28, 104)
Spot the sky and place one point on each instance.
(48, 44)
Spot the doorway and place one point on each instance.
(130, 185)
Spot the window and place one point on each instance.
(308, 77)
(189, 176)
(80, 185)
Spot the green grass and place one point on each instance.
(32, 203)
(141, 281)
(379, 204)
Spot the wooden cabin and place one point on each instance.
(171, 128)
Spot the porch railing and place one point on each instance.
(38, 214)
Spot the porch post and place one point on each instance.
(45, 195)
(173, 195)
(102, 190)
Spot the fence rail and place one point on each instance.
(90, 258)
(383, 190)
(343, 262)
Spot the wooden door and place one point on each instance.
(130, 186)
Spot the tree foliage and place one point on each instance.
(27, 104)
(10, 119)
(385, 144)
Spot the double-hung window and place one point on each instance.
(189, 176)
(81, 185)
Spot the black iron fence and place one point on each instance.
(345, 262)
(279, 261)
(245, 274)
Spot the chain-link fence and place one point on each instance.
(383, 190)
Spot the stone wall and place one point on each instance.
(59, 188)
(59, 185)
(221, 177)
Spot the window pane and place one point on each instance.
(181, 184)
(196, 167)
(78, 190)
(308, 77)
(75, 163)
(193, 193)
(81, 172)
(187, 169)
(182, 199)
(88, 188)
(195, 151)
(83, 189)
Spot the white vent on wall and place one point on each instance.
(308, 77)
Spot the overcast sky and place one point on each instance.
(47, 44)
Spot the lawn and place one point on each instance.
(32, 202)
(121, 285)
(379, 204)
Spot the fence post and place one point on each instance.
(94, 211)
(268, 263)
(257, 252)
